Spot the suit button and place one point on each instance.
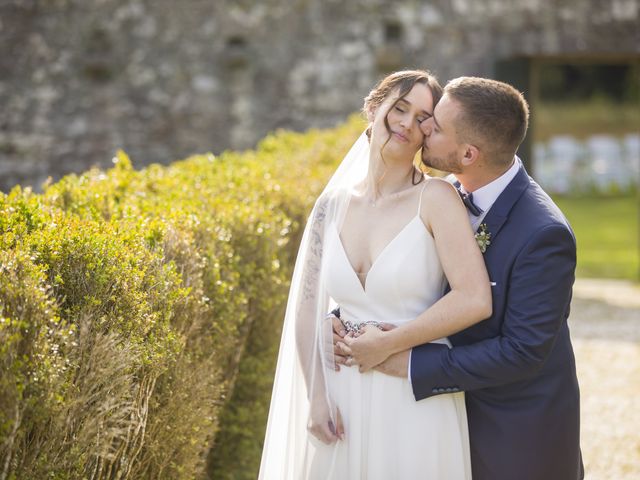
(434, 390)
(449, 389)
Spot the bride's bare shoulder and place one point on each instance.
(439, 198)
(328, 203)
(438, 188)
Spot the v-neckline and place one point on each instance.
(363, 285)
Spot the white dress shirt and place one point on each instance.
(484, 198)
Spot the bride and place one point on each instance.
(382, 242)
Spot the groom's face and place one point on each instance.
(441, 149)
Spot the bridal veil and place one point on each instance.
(306, 362)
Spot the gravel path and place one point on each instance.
(605, 329)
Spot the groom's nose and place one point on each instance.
(425, 126)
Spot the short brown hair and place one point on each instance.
(495, 116)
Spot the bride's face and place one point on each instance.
(403, 136)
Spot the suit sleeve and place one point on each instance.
(539, 293)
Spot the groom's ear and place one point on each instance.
(471, 154)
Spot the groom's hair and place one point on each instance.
(494, 116)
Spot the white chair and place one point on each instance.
(607, 163)
(631, 144)
(565, 155)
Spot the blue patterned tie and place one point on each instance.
(467, 199)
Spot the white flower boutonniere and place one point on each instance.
(483, 237)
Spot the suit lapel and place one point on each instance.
(499, 211)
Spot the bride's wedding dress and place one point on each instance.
(388, 435)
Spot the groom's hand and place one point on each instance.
(339, 333)
(397, 365)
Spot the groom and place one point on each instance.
(517, 367)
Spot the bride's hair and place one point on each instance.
(402, 82)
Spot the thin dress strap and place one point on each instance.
(421, 192)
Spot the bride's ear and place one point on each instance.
(471, 154)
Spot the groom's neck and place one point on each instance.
(478, 176)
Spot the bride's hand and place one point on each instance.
(321, 425)
(368, 348)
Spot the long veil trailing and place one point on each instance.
(303, 382)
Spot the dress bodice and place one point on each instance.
(403, 281)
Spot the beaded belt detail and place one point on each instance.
(355, 327)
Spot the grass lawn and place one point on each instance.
(607, 233)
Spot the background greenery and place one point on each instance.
(140, 311)
(584, 119)
(606, 230)
(583, 99)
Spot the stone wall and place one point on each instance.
(164, 79)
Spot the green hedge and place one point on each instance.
(140, 311)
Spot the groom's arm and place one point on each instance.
(539, 293)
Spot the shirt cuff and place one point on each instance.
(409, 367)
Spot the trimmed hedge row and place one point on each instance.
(140, 311)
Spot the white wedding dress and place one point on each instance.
(388, 435)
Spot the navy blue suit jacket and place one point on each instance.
(517, 367)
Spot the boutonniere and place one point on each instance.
(483, 237)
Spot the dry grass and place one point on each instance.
(605, 323)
